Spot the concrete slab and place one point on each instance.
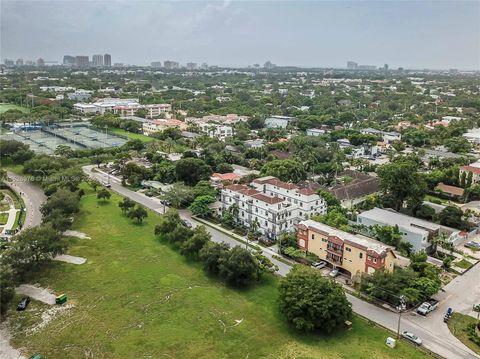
(37, 293)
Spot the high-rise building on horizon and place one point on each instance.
(156, 64)
(385, 67)
(40, 62)
(19, 62)
(352, 65)
(82, 61)
(97, 60)
(191, 66)
(107, 60)
(171, 65)
(68, 60)
(8, 62)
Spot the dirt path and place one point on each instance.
(77, 234)
(6, 350)
(36, 293)
(70, 259)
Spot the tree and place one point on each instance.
(178, 195)
(192, 170)
(33, 247)
(94, 184)
(64, 200)
(238, 266)
(7, 287)
(200, 208)
(126, 204)
(451, 216)
(285, 170)
(193, 245)
(210, 255)
(264, 265)
(104, 194)
(402, 181)
(311, 301)
(137, 213)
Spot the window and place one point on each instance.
(360, 255)
(348, 249)
(313, 236)
(324, 240)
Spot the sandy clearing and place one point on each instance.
(77, 234)
(6, 350)
(37, 293)
(70, 259)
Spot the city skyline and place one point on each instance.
(403, 34)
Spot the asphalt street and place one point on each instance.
(460, 294)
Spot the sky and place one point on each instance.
(412, 34)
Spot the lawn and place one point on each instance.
(464, 264)
(4, 107)
(131, 135)
(3, 218)
(458, 325)
(138, 298)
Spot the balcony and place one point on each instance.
(336, 250)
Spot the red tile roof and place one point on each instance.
(475, 170)
(267, 199)
(276, 182)
(236, 187)
(226, 176)
(457, 191)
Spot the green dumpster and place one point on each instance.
(62, 298)
(36, 356)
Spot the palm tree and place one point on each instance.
(253, 229)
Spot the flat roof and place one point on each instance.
(390, 217)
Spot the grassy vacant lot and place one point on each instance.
(4, 107)
(138, 298)
(458, 325)
(464, 264)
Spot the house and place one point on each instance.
(387, 137)
(357, 191)
(352, 254)
(274, 205)
(258, 143)
(215, 130)
(472, 170)
(315, 132)
(153, 126)
(473, 136)
(218, 178)
(451, 191)
(415, 231)
(278, 121)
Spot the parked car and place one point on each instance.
(106, 184)
(333, 273)
(23, 303)
(411, 337)
(472, 244)
(319, 265)
(187, 223)
(427, 307)
(448, 314)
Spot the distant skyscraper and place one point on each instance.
(40, 62)
(82, 61)
(9, 63)
(385, 67)
(191, 66)
(204, 66)
(156, 65)
(107, 60)
(68, 60)
(171, 65)
(19, 62)
(97, 60)
(351, 65)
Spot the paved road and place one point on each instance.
(431, 329)
(32, 195)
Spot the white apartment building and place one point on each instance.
(275, 205)
(124, 107)
(215, 130)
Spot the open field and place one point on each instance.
(138, 298)
(131, 135)
(458, 324)
(4, 107)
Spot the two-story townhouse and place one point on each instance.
(351, 254)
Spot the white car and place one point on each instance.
(319, 265)
(333, 273)
(411, 337)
